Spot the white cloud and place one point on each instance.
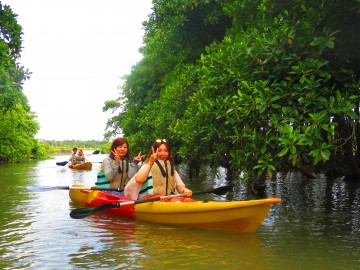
(78, 50)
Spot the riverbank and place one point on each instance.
(64, 152)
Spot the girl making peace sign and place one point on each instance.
(117, 168)
(157, 176)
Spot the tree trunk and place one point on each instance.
(349, 152)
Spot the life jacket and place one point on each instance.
(160, 179)
(80, 159)
(147, 186)
(101, 179)
(123, 170)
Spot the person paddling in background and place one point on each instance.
(157, 176)
(72, 157)
(80, 157)
(117, 168)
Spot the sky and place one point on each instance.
(78, 51)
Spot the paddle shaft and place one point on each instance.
(87, 211)
(153, 199)
(63, 163)
(81, 188)
(96, 188)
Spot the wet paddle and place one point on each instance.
(74, 188)
(87, 211)
(63, 163)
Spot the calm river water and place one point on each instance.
(317, 226)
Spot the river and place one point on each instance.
(316, 226)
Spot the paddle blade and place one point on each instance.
(222, 190)
(45, 188)
(63, 163)
(217, 191)
(88, 211)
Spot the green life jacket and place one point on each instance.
(101, 179)
(147, 186)
(102, 182)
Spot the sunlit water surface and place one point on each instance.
(317, 226)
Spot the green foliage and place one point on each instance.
(40, 151)
(105, 148)
(267, 100)
(17, 131)
(18, 125)
(176, 33)
(180, 30)
(53, 146)
(11, 74)
(277, 89)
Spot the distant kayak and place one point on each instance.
(242, 216)
(81, 166)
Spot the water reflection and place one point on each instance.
(133, 245)
(327, 206)
(318, 224)
(315, 227)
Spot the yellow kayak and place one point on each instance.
(242, 216)
(81, 166)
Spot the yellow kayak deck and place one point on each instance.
(81, 166)
(243, 216)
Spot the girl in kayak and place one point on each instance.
(79, 158)
(157, 176)
(117, 168)
(73, 155)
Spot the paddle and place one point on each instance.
(78, 188)
(87, 211)
(63, 163)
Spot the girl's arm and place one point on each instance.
(132, 189)
(142, 174)
(180, 186)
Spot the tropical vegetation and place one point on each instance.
(256, 86)
(18, 125)
(65, 146)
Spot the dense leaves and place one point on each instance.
(11, 74)
(17, 130)
(274, 85)
(18, 124)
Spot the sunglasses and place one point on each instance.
(160, 141)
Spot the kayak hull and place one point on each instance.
(243, 216)
(82, 166)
